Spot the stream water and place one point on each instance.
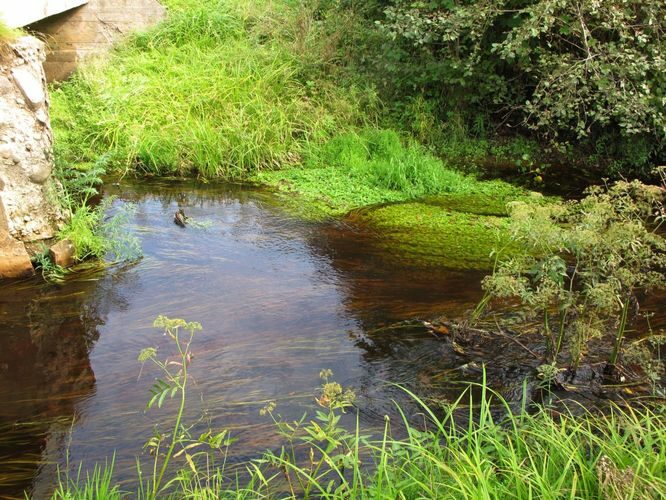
(279, 300)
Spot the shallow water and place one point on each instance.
(279, 300)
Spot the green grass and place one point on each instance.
(7, 34)
(538, 454)
(217, 90)
(373, 166)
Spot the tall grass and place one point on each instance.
(532, 454)
(217, 89)
(371, 165)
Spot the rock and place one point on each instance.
(14, 259)
(40, 173)
(62, 253)
(26, 153)
(30, 86)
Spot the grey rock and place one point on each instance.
(31, 86)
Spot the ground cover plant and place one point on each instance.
(371, 166)
(536, 453)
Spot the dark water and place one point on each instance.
(279, 300)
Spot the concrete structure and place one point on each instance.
(75, 29)
(19, 13)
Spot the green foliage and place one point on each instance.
(95, 486)
(573, 72)
(373, 166)
(179, 442)
(50, 272)
(7, 34)
(585, 263)
(95, 236)
(219, 89)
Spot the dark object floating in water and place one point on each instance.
(180, 218)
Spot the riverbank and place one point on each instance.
(258, 92)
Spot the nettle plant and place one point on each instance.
(585, 264)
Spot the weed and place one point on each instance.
(174, 383)
(585, 263)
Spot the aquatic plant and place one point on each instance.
(357, 169)
(584, 264)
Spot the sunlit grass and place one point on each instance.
(215, 90)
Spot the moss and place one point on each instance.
(428, 234)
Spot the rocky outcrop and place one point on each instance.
(27, 196)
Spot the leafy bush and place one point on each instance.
(572, 71)
(585, 264)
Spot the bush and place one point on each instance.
(571, 71)
(584, 265)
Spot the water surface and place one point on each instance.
(279, 300)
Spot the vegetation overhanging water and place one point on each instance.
(369, 234)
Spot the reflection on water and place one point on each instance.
(279, 300)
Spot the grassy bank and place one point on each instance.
(457, 221)
(221, 88)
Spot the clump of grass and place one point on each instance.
(95, 236)
(375, 166)
(531, 454)
(7, 34)
(96, 485)
(215, 90)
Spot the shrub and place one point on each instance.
(571, 71)
(585, 264)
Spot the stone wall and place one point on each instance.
(28, 211)
(91, 29)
